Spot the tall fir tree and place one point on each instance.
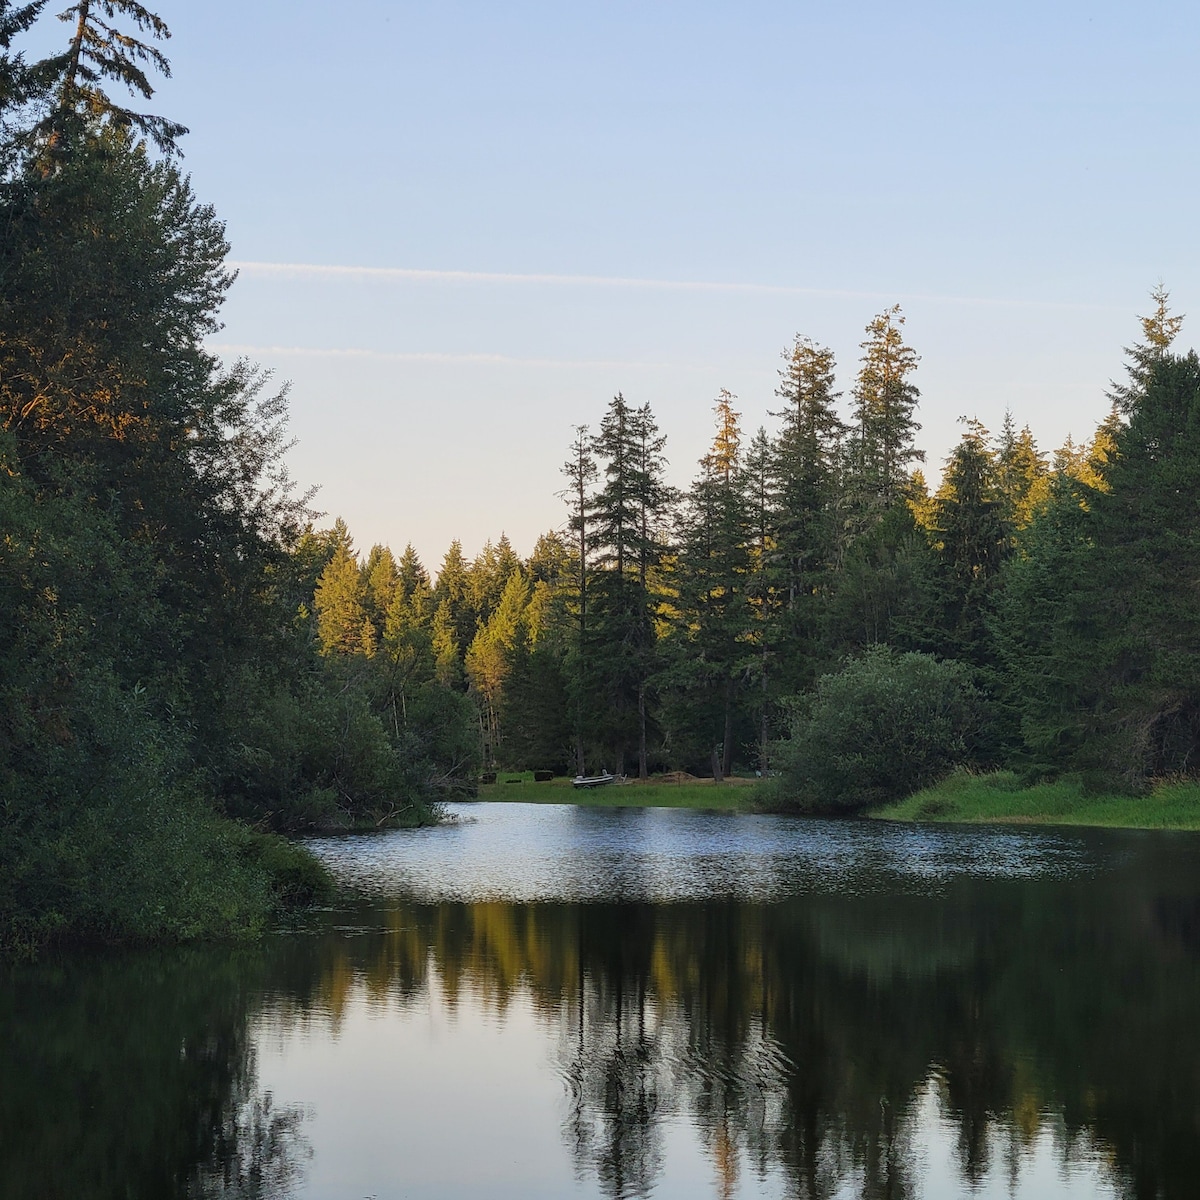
(98, 53)
(713, 566)
(581, 473)
(974, 537)
(881, 445)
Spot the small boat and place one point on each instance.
(595, 781)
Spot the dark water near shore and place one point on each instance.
(543, 1001)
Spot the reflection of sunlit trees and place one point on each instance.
(812, 1037)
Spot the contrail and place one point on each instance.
(425, 275)
(418, 356)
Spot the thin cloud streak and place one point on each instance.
(424, 275)
(421, 356)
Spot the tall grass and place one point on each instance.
(1001, 797)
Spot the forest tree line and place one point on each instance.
(810, 609)
(188, 662)
(163, 701)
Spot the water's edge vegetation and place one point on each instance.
(1002, 797)
(191, 668)
(963, 797)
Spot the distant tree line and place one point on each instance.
(187, 661)
(810, 610)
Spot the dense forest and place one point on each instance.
(189, 661)
(808, 609)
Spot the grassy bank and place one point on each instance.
(657, 792)
(1000, 797)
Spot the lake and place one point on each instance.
(552, 1001)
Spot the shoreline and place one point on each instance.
(998, 798)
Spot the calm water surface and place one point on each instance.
(549, 1001)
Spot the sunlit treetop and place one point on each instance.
(100, 53)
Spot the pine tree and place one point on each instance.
(1022, 473)
(488, 658)
(714, 562)
(98, 52)
(885, 399)
(581, 473)
(447, 653)
(20, 82)
(974, 537)
(763, 591)
(1159, 331)
(628, 514)
(805, 492)
(414, 587)
(616, 522)
(453, 591)
(380, 578)
(340, 603)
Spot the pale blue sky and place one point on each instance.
(1018, 176)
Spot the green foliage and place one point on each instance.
(1003, 796)
(886, 724)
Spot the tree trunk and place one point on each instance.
(762, 736)
(642, 773)
(727, 756)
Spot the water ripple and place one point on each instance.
(543, 852)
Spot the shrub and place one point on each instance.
(884, 726)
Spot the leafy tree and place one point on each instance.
(883, 727)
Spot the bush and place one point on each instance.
(883, 727)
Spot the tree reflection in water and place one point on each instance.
(812, 1036)
(817, 1040)
(133, 1075)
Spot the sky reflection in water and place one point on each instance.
(535, 852)
(550, 1001)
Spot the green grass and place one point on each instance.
(1000, 797)
(733, 795)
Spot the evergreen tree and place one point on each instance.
(98, 52)
(447, 654)
(974, 538)
(616, 522)
(1159, 331)
(453, 592)
(20, 82)
(581, 473)
(885, 399)
(380, 578)
(628, 513)
(341, 605)
(805, 458)
(714, 563)
(414, 586)
(488, 659)
(763, 591)
(1022, 473)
